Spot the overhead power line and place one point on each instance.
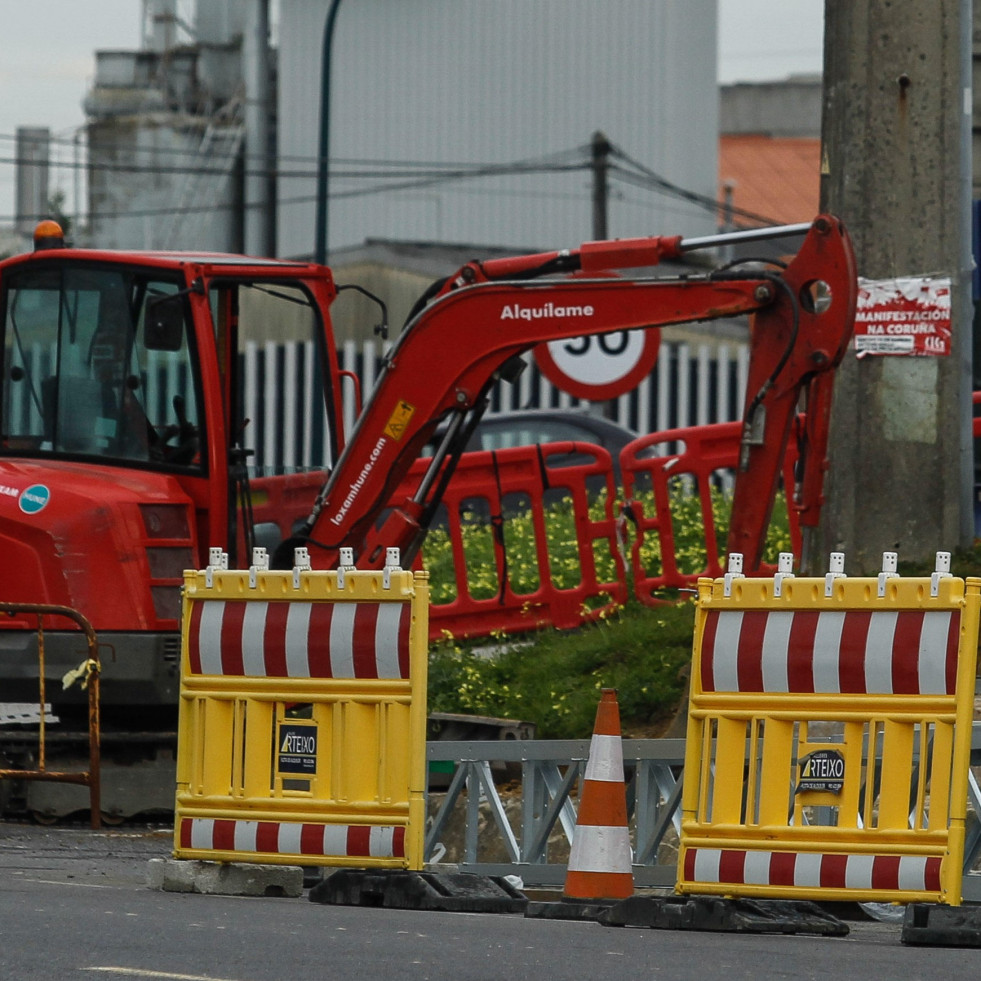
(399, 176)
(645, 177)
(301, 199)
(313, 160)
(340, 166)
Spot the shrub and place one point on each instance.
(555, 680)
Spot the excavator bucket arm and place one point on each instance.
(487, 315)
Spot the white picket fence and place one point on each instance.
(288, 430)
(688, 387)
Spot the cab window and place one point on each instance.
(97, 363)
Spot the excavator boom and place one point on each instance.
(482, 319)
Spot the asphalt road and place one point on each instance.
(74, 905)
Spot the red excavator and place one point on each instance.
(140, 423)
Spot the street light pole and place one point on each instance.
(323, 165)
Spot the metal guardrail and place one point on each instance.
(550, 770)
(534, 825)
(90, 668)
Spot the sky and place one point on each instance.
(47, 62)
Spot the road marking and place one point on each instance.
(62, 882)
(136, 972)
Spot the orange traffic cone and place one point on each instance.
(600, 859)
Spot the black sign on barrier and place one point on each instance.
(298, 748)
(824, 769)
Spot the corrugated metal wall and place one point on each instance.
(420, 83)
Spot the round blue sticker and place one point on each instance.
(34, 498)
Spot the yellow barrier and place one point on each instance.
(302, 734)
(829, 737)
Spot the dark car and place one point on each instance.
(527, 427)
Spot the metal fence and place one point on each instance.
(532, 828)
(88, 674)
(690, 386)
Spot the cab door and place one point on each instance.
(280, 403)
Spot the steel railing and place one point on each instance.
(535, 841)
(89, 670)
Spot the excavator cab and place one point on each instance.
(86, 379)
(214, 370)
(139, 424)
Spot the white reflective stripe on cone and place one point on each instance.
(598, 848)
(605, 759)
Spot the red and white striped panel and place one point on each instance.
(854, 652)
(293, 838)
(300, 639)
(898, 873)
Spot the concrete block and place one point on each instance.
(224, 878)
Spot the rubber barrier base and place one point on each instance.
(569, 909)
(724, 915)
(934, 925)
(450, 892)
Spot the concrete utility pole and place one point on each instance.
(896, 167)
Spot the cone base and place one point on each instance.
(598, 885)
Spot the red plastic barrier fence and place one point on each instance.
(532, 540)
(682, 469)
(532, 533)
(533, 536)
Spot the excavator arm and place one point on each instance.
(795, 347)
(476, 325)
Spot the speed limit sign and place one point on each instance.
(599, 366)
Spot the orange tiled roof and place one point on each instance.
(775, 177)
